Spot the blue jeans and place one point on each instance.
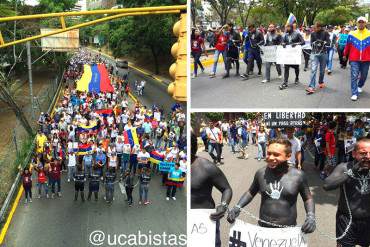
(143, 192)
(329, 62)
(158, 143)
(358, 69)
(215, 59)
(43, 186)
(261, 150)
(196, 56)
(317, 60)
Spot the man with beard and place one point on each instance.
(353, 214)
(204, 176)
(233, 50)
(279, 186)
(272, 38)
(320, 42)
(292, 38)
(255, 38)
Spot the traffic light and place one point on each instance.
(178, 69)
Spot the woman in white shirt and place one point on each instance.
(261, 140)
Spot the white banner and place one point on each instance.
(246, 235)
(65, 41)
(157, 116)
(201, 229)
(268, 54)
(289, 55)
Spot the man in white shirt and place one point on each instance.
(215, 142)
(71, 165)
(225, 128)
(143, 159)
(296, 157)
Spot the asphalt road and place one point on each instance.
(235, 93)
(62, 222)
(240, 175)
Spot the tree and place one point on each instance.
(337, 16)
(223, 8)
(195, 6)
(244, 10)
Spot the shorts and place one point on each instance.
(94, 186)
(79, 186)
(141, 166)
(358, 233)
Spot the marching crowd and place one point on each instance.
(318, 45)
(327, 138)
(102, 138)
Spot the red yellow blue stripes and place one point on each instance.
(130, 137)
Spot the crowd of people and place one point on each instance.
(319, 44)
(328, 139)
(103, 138)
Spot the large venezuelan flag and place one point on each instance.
(130, 137)
(358, 43)
(84, 148)
(105, 112)
(95, 79)
(87, 128)
(156, 157)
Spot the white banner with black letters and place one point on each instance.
(289, 55)
(268, 54)
(201, 229)
(246, 235)
(283, 119)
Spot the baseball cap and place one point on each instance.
(362, 18)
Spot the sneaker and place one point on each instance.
(225, 76)
(59, 194)
(354, 97)
(47, 196)
(31, 200)
(265, 80)
(68, 180)
(322, 175)
(52, 196)
(25, 201)
(283, 86)
(359, 90)
(296, 81)
(245, 76)
(193, 76)
(329, 72)
(259, 73)
(280, 77)
(147, 202)
(305, 69)
(139, 202)
(202, 70)
(167, 198)
(39, 196)
(310, 90)
(174, 198)
(212, 75)
(321, 85)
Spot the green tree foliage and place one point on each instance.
(215, 116)
(223, 8)
(337, 16)
(51, 6)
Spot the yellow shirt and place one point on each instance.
(40, 141)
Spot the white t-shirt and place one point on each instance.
(296, 147)
(183, 165)
(261, 137)
(119, 147)
(213, 134)
(224, 126)
(126, 149)
(143, 157)
(71, 160)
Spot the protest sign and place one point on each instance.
(201, 229)
(246, 235)
(283, 119)
(165, 166)
(268, 54)
(349, 144)
(157, 116)
(289, 55)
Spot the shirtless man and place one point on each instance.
(353, 180)
(279, 186)
(204, 176)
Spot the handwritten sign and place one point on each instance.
(165, 166)
(201, 229)
(246, 235)
(268, 54)
(283, 119)
(349, 145)
(289, 55)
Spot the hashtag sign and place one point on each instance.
(235, 241)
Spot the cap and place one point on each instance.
(347, 29)
(362, 18)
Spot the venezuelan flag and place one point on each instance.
(130, 137)
(105, 112)
(156, 157)
(291, 19)
(87, 128)
(95, 79)
(84, 148)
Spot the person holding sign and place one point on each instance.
(320, 41)
(272, 38)
(204, 176)
(173, 181)
(353, 214)
(291, 38)
(279, 185)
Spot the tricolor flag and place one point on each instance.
(95, 79)
(130, 137)
(156, 157)
(87, 128)
(105, 112)
(304, 24)
(84, 148)
(291, 19)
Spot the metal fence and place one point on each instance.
(17, 146)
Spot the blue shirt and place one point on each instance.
(88, 159)
(101, 157)
(175, 174)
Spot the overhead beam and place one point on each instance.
(94, 12)
(150, 12)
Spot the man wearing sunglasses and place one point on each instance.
(353, 214)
